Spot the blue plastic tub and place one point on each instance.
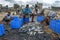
(2, 31)
(55, 26)
(16, 23)
(39, 18)
(14, 17)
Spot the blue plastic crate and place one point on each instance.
(55, 26)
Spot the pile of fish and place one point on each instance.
(32, 28)
(34, 31)
(30, 31)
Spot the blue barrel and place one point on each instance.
(14, 17)
(26, 20)
(39, 18)
(16, 24)
(55, 26)
(2, 32)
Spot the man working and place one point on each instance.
(36, 11)
(26, 11)
(52, 15)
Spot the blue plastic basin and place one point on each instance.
(16, 23)
(39, 18)
(2, 31)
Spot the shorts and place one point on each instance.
(6, 20)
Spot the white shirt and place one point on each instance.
(6, 15)
(35, 11)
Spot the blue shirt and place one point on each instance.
(27, 11)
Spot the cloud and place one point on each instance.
(49, 1)
(6, 2)
(11, 2)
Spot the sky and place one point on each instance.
(28, 0)
(10, 2)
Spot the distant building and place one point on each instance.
(56, 5)
(5, 8)
(0, 7)
(46, 6)
(22, 6)
(39, 5)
